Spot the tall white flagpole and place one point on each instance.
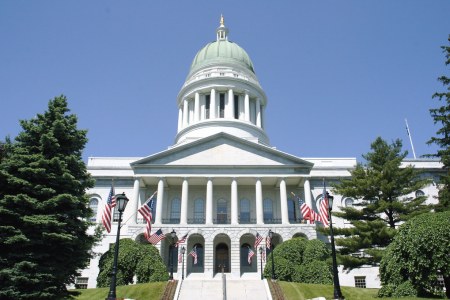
(410, 138)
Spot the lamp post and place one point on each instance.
(121, 202)
(337, 287)
(271, 251)
(260, 255)
(183, 250)
(173, 235)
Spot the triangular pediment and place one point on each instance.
(222, 150)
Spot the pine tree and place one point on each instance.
(441, 116)
(43, 207)
(383, 187)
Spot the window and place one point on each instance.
(199, 211)
(291, 210)
(93, 204)
(222, 211)
(252, 111)
(268, 210)
(81, 283)
(222, 105)
(236, 106)
(245, 211)
(116, 214)
(175, 210)
(348, 202)
(419, 193)
(207, 106)
(360, 282)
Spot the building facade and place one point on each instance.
(222, 183)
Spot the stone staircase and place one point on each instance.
(213, 290)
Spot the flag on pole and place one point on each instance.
(268, 242)
(193, 253)
(156, 237)
(251, 253)
(182, 240)
(180, 257)
(146, 210)
(263, 254)
(258, 240)
(107, 210)
(323, 210)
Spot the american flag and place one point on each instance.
(323, 210)
(146, 210)
(156, 237)
(258, 240)
(193, 253)
(107, 210)
(182, 240)
(263, 254)
(251, 253)
(180, 257)
(268, 242)
(307, 212)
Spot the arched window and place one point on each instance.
(222, 211)
(245, 211)
(93, 205)
(419, 193)
(348, 202)
(268, 210)
(175, 210)
(199, 211)
(291, 211)
(245, 249)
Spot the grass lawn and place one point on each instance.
(147, 291)
(303, 291)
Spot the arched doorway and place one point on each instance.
(222, 259)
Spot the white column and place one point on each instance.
(283, 203)
(234, 202)
(258, 112)
(247, 107)
(229, 108)
(159, 201)
(259, 202)
(180, 118)
(209, 202)
(135, 199)
(307, 188)
(212, 105)
(184, 202)
(185, 112)
(197, 107)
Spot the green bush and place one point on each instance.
(405, 289)
(300, 260)
(142, 260)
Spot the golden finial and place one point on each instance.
(222, 21)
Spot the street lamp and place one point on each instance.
(183, 250)
(271, 251)
(121, 203)
(260, 255)
(173, 235)
(337, 287)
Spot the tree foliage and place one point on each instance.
(383, 187)
(135, 259)
(418, 254)
(441, 116)
(301, 260)
(43, 206)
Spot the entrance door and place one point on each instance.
(222, 259)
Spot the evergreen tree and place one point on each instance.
(441, 116)
(43, 207)
(383, 187)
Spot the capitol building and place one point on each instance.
(222, 182)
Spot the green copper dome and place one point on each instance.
(221, 51)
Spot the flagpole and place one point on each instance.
(410, 138)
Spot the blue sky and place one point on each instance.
(337, 73)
